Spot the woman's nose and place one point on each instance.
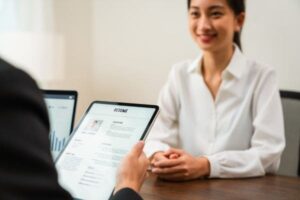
(203, 24)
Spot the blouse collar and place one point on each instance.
(234, 68)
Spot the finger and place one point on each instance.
(157, 158)
(144, 160)
(137, 149)
(173, 156)
(147, 175)
(173, 151)
(167, 163)
(168, 170)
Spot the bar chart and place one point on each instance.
(57, 144)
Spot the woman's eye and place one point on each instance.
(194, 14)
(216, 14)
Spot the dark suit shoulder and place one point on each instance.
(27, 170)
(17, 88)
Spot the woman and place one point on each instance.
(221, 114)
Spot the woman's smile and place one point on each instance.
(207, 38)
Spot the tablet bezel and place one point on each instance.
(66, 92)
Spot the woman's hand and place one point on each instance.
(133, 169)
(181, 167)
(160, 155)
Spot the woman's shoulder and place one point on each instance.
(259, 68)
(244, 65)
(184, 67)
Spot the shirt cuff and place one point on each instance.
(214, 166)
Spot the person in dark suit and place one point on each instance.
(27, 170)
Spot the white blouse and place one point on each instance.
(241, 132)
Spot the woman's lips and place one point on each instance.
(207, 38)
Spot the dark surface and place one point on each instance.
(268, 187)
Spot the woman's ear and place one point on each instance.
(240, 22)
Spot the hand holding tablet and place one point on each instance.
(87, 166)
(133, 169)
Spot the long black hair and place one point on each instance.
(238, 6)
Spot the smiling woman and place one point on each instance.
(238, 7)
(221, 114)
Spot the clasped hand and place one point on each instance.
(177, 165)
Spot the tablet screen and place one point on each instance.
(87, 166)
(61, 105)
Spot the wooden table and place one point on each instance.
(269, 187)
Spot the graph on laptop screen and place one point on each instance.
(61, 109)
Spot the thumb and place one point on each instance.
(137, 149)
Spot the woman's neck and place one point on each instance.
(213, 63)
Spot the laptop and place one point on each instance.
(61, 105)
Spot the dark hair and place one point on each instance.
(238, 6)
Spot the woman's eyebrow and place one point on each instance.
(194, 7)
(215, 6)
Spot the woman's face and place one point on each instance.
(212, 24)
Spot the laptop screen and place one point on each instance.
(61, 107)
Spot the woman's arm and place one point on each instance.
(164, 133)
(267, 142)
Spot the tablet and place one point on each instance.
(108, 130)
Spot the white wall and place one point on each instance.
(135, 44)
(73, 20)
(272, 35)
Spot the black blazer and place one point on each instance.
(27, 170)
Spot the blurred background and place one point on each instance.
(122, 50)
